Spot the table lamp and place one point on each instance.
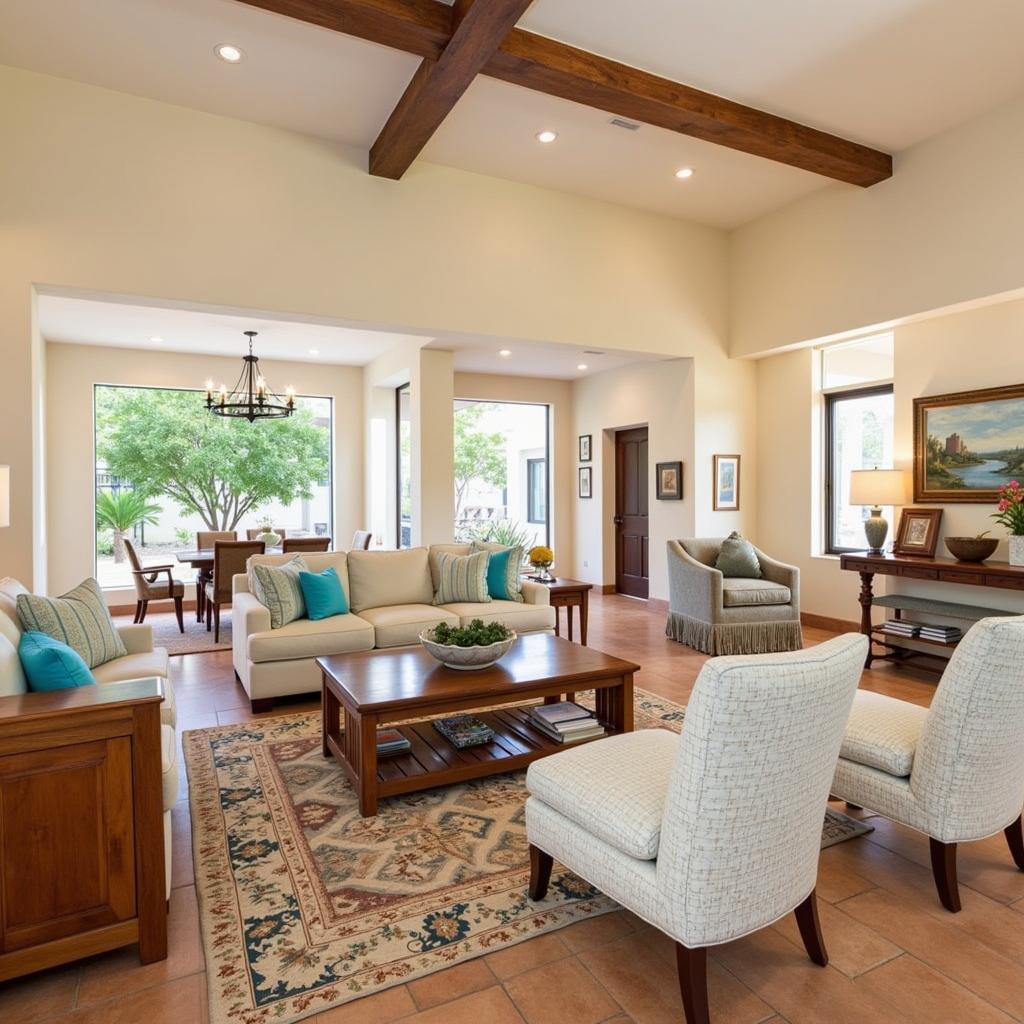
(877, 487)
(5, 496)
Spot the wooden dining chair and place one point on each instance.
(255, 533)
(306, 544)
(361, 540)
(229, 560)
(205, 539)
(154, 583)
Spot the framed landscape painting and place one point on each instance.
(968, 444)
(727, 483)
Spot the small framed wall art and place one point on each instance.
(586, 482)
(669, 481)
(918, 533)
(727, 483)
(585, 441)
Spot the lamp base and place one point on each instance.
(876, 529)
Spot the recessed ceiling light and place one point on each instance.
(684, 172)
(505, 353)
(314, 351)
(547, 136)
(581, 366)
(228, 53)
(156, 340)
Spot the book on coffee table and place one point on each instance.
(563, 711)
(464, 730)
(391, 742)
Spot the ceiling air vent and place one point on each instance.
(621, 122)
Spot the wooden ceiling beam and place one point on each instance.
(478, 28)
(424, 28)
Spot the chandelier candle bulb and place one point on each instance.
(252, 398)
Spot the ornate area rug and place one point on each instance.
(305, 905)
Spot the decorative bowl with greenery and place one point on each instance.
(478, 645)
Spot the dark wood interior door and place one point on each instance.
(631, 516)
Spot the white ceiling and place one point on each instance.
(884, 72)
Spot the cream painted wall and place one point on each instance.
(71, 372)
(945, 229)
(173, 204)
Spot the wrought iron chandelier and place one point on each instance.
(251, 398)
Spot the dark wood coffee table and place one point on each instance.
(367, 690)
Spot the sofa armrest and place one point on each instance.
(536, 593)
(695, 589)
(137, 639)
(248, 616)
(240, 584)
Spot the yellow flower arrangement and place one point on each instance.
(541, 555)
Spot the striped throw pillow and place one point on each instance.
(277, 588)
(462, 578)
(78, 618)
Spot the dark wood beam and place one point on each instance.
(424, 28)
(478, 28)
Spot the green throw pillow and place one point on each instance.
(738, 559)
(79, 618)
(278, 588)
(462, 578)
(503, 571)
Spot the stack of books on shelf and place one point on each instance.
(945, 634)
(901, 627)
(391, 742)
(464, 730)
(566, 722)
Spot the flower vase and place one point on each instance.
(1017, 550)
(270, 539)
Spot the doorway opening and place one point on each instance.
(632, 576)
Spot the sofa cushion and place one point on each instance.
(169, 766)
(381, 578)
(50, 664)
(446, 549)
(316, 561)
(145, 665)
(523, 618)
(883, 733)
(504, 579)
(323, 594)
(79, 618)
(401, 624)
(462, 578)
(737, 558)
(10, 588)
(311, 638)
(278, 590)
(739, 593)
(614, 788)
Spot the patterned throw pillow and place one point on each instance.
(503, 571)
(462, 578)
(78, 618)
(277, 587)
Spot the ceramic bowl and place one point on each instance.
(971, 549)
(466, 659)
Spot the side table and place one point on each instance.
(570, 594)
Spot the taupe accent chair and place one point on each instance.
(719, 615)
(953, 771)
(305, 544)
(361, 540)
(229, 559)
(154, 583)
(205, 539)
(255, 533)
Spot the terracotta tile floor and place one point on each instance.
(897, 957)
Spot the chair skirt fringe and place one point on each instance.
(735, 638)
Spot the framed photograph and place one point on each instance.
(967, 444)
(727, 483)
(918, 532)
(670, 481)
(586, 482)
(585, 447)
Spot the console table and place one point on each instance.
(999, 575)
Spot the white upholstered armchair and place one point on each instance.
(661, 823)
(954, 771)
(719, 615)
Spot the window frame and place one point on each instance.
(532, 467)
(399, 391)
(832, 400)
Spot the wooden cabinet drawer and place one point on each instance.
(1005, 582)
(913, 572)
(974, 579)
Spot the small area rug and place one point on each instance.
(195, 639)
(304, 905)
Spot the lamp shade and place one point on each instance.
(878, 487)
(5, 496)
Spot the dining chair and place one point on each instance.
(305, 544)
(255, 533)
(361, 540)
(205, 539)
(713, 833)
(953, 771)
(229, 560)
(154, 583)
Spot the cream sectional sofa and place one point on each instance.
(389, 595)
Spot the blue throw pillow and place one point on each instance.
(503, 578)
(323, 594)
(50, 664)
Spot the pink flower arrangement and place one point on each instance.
(1010, 510)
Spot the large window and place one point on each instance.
(166, 469)
(502, 469)
(403, 462)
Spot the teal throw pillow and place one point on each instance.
(738, 559)
(277, 588)
(462, 578)
(79, 618)
(51, 665)
(323, 594)
(503, 571)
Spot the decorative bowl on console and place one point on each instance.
(476, 646)
(972, 549)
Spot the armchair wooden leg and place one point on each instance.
(810, 930)
(216, 622)
(944, 870)
(540, 872)
(178, 614)
(138, 612)
(142, 610)
(692, 965)
(1015, 840)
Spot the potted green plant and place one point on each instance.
(478, 645)
(1010, 513)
